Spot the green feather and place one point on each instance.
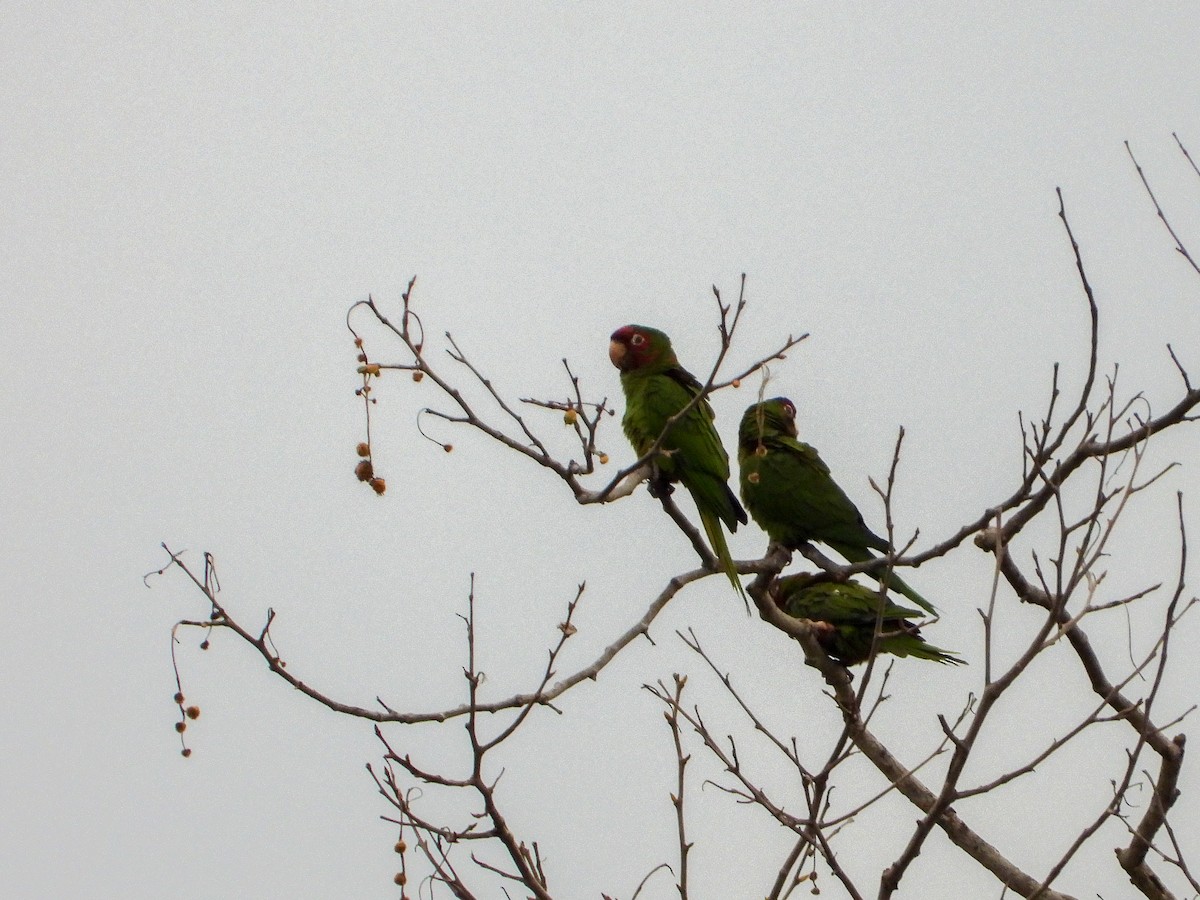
(789, 491)
(656, 388)
(853, 621)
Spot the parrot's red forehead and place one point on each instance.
(634, 347)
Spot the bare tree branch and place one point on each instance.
(1081, 475)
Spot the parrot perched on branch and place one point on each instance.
(656, 388)
(844, 617)
(790, 493)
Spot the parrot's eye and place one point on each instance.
(790, 410)
(637, 340)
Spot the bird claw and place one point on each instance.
(823, 630)
(659, 486)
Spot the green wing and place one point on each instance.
(789, 491)
(692, 453)
(848, 603)
(847, 615)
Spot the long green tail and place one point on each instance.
(716, 540)
(894, 581)
(912, 645)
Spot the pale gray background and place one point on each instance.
(194, 194)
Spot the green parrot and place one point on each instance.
(790, 493)
(656, 387)
(844, 617)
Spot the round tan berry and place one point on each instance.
(569, 417)
(178, 698)
(358, 343)
(204, 645)
(181, 727)
(401, 879)
(364, 471)
(603, 457)
(447, 447)
(418, 375)
(362, 357)
(378, 485)
(363, 449)
(186, 752)
(401, 846)
(737, 382)
(193, 712)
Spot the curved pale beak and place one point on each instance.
(616, 352)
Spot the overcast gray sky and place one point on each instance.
(195, 193)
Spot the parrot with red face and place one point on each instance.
(790, 493)
(656, 388)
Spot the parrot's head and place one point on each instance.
(767, 419)
(636, 347)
